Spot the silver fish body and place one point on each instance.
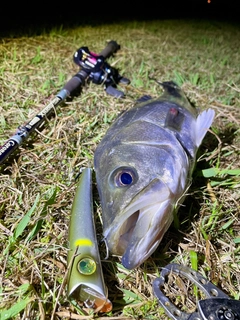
(143, 167)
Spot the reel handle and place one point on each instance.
(110, 49)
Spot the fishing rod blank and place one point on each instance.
(70, 87)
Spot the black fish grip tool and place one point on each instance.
(216, 306)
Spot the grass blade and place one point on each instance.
(194, 260)
(39, 223)
(15, 309)
(25, 220)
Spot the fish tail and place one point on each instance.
(203, 123)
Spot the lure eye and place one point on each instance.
(124, 177)
(87, 266)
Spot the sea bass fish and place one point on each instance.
(143, 167)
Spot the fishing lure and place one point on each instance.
(85, 276)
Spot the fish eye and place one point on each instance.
(123, 177)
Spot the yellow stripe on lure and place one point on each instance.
(85, 277)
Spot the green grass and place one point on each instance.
(38, 185)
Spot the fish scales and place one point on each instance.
(143, 167)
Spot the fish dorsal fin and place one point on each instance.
(203, 123)
(171, 88)
(174, 93)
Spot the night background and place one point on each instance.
(22, 16)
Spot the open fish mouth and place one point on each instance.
(142, 224)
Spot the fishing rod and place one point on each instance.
(93, 67)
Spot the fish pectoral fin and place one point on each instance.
(203, 123)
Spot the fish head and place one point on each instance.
(134, 184)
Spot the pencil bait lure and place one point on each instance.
(85, 277)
